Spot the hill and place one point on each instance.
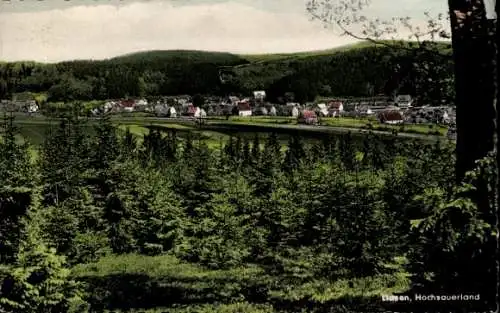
(354, 70)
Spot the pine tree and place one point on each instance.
(128, 143)
(294, 155)
(64, 160)
(347, 151)
(246, 151)
(18, 180)
(223, 232)
(256, 149)
(39, 280)
(106, 148)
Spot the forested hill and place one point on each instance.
(356, 70)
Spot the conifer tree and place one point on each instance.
(64, 160)
(246, 157)
(128, 143)
(347, 151)
(223, 232)
(18, 180)
(294, 155)
(38, 280)
(256, 148)
(106, 149)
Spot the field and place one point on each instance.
(134, 281)
(219, 130)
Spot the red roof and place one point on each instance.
(309, 114)
(127, 103)
(335, 104)
(244, 106)
(391, 116)
(191, 109)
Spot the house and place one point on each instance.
(31, 107)
(403, 101)
(261, 111)
(321, 109)
(272, 111)
(127, 105)
(391, 117)
(200, 113)
(108, 106)
(308, 117)
(259, 95)
(244, 109)
(141, 103)
(161, 110)
(232, 100)
(172, 112)
(191, 110)
(364, 110)
(335, 108)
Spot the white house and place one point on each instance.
(263, 111)
(128, 109)
(172, 112)
(404, 101)
(321, 109)
(233, 100)
(32, 107)
(161, 109)
(272, 111)
(259, 95)
(141, 102)
(108, 106)
(200, 113)
(244, 109)
(445, 118)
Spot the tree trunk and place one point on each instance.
(497, 9)
(473, 56)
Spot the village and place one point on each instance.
(391, 111)
(398, 110)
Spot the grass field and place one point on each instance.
(355, 123)
(152, 283)
(218, 131)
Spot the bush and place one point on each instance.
(89, 247)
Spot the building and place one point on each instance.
(127, 105)
(335, 108)
(191, 110)
(308, 117)
(32, 107)
(321, 109)
(403, 101)
(200, 113)
(272, 111)
(259, 95)
(391, 117)
(244, 109)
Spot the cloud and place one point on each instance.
(107, 30)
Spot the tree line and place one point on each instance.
(365, 71)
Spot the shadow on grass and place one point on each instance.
(127, 291)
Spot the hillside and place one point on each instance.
(354, 70)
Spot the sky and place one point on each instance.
(57, 30)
